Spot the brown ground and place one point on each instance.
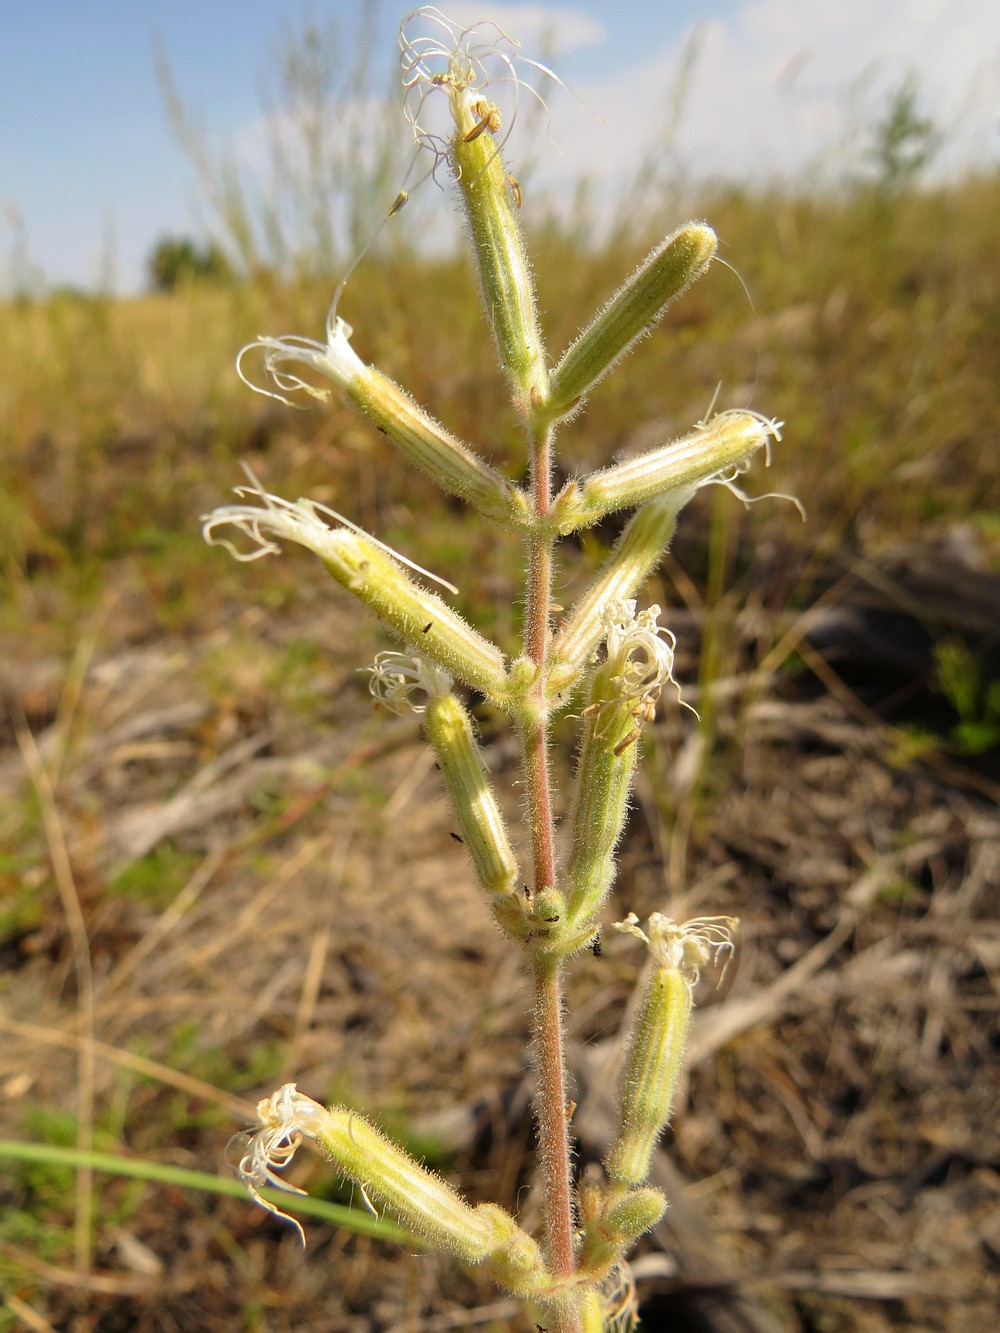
(263, 869)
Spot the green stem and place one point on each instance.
(536, 647)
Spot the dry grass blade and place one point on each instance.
(62, 871)
(243, 1112)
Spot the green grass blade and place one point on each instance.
(335, 1214)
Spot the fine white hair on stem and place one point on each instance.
(297, 521)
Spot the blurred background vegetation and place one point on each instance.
(872, 328)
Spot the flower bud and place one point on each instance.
(633, 311)
(480, 820)
(612, 1218)
(634, 1213)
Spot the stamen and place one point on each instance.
(399, 679)
(641, 661)
(335, 359)
(285, 1119)
(686, 947)
(728, 478)
(461, 61)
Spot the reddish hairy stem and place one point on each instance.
(553, 1128)
(550, 1093)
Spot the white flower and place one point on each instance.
(640, 663)
(273, 517)
(336, 359)
(686, 947)
(462, 62)
(285, 1118)
(640, 659)
(297, 521)
(398, 680)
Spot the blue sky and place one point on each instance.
(90, 171)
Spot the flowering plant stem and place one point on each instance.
(551, 1097)
(619, 658)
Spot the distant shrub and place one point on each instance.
(177, 259)
(903, 142)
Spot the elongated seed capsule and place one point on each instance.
(364, 569)
(603, 782)
(722, 446)
(498, 247)
(652, 1069)
(426, 1205)
(633, 310)
(445, 459)
(484, 830)
(420, 1199)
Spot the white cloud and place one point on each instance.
(791, 88)
(776, 88)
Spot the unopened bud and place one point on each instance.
(480, 820)
(633, 1214)
(632, 312)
